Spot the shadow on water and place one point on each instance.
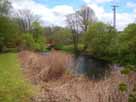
(93, 68)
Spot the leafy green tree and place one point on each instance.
(38, 36)
(127, 45)
(100, 38)
(8, 28)
(9, 31)
(28, 41)
(40, 44)
(61, 36)
(37, 29)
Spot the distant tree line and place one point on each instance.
(23, 31)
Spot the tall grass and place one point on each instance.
(45, 67)
(81, 89)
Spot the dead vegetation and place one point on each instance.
(44, 67)
(44, 70)
(82, 89)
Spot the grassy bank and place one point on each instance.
(13, 87)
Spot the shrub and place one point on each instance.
(126, 71)
(127, 45)
(132, 97)
(28, 41)
(123, 87)
(9, 33)
(100, 39)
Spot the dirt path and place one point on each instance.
(66, 87)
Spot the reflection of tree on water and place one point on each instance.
(92, 67)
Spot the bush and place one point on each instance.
(9, 33)
(28, 41)
(127, 46)
(31, 43)
(100, 39)
(132, 97)
(39, 44)
(123, 87)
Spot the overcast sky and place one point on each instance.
(52, 12)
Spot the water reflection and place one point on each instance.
(91, 67)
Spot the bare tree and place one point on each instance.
(85, 16)
(72, 21)
(5, 6)
(79, 22)
(25, 18)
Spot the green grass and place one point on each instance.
(13, 87)
(69, 48)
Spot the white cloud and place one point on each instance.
(56, 15)
(97, 1)
(49, 16)
(131, 5)
(123, 19)
(63, 9)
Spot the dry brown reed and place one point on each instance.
(45, 67)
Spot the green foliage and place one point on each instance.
(132, 97)
(126, 71)
(40, 43)
(127, 47)
(104, 42)
(39, 38)
(60, 36)
(9, 37)
(100, 38)
(13, 87)
(28, 41)
(31, 43)
(37, 29)
(68, 48)
(12, 39)
(123, 87)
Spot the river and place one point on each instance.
(92, 67)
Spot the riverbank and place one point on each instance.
(59, 85)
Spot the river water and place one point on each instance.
(92, 67)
